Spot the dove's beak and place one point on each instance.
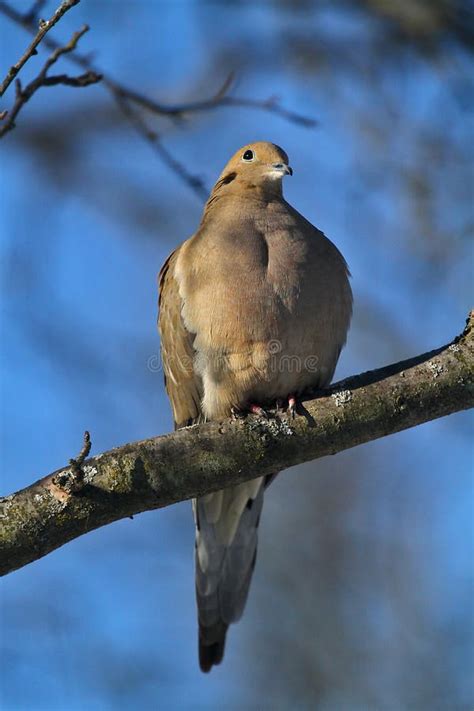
(282, 168)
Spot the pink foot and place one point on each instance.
(252, 409)
(292, 406)
(258, 410)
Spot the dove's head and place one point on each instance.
(259, 166)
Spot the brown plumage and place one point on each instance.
(254, 307)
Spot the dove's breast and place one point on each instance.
(269, 305)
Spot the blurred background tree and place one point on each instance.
(363, 593)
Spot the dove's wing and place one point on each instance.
(183, 385)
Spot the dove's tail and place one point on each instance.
(226, 550)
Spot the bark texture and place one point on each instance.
(196, 460)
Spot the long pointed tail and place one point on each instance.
(226, 550)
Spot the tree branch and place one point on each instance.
(220, 98)
(195, 182)
(44, 27)
(197, 460)
(130, 101)
(22, 96)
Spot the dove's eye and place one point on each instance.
(248, 155)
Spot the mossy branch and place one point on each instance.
(196, 460)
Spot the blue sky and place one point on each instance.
(365, 558)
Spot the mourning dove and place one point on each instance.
(254, 308)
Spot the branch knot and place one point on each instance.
(72, 480)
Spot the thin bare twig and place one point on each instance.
(24, 95)
(220, 99)
(44, 27)
(195, 182)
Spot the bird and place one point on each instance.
(254, 310)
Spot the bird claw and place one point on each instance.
(258, 410)
(238, 414)
(292, 406)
